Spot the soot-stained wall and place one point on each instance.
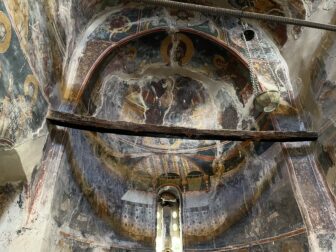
(161, 66)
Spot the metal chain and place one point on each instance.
(251, 69)
(275, 77)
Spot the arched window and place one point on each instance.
(168, 222)
(195, 179)
(169, 179)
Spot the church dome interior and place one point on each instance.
(160, 125)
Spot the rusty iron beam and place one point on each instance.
(240, 14)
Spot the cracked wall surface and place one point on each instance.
(69, 190)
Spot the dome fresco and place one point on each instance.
(66, 189)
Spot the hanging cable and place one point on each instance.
(275, 77)
(268, 100)
(240, 14)
(264, 101)
(253, 77)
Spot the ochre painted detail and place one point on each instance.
(5, 32)
(31, 81)
(183, 51)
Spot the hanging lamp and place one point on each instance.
(264, 101)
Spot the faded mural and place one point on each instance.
(22, 104)
(127, 61)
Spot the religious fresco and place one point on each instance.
(20, 12)
(130, 19)
(41, 50)
(280, 32)
(120, 60)
(127, 19)
(22, 104)
(178, 83)
(134, 20)
(323, 94)
(175, 80)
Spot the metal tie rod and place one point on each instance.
(240, 14)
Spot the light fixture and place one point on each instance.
(267, 101)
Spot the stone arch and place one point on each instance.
(169, 219)
(99, 61)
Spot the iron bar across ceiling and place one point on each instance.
(240, 14)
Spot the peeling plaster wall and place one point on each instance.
(22, 105)
(73, 195)
(313, 76)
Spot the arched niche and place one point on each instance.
(169, 220)
(209, 88)
(205, 59)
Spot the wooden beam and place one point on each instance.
(127, 128)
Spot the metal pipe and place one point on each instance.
(240, 14)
